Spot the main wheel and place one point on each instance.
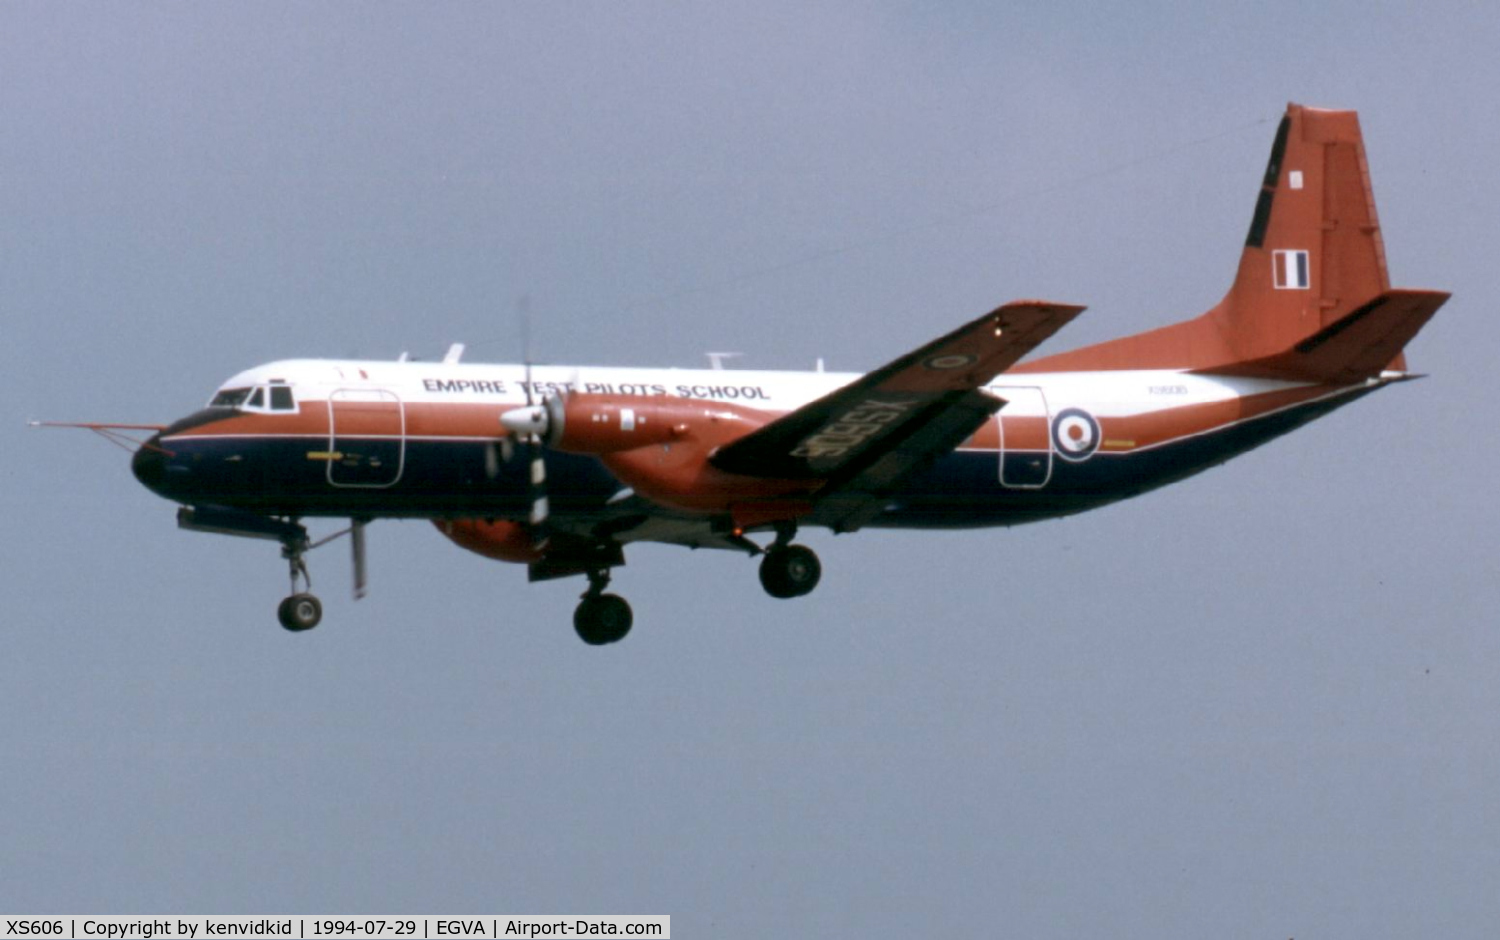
(603, 619)
(790, 572)
(300, 612)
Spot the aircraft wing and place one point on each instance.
(863, 438)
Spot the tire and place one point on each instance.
(790, 572)
(602, 620)
(300, 612)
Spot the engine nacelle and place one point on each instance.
(608, 424)
(660, 446)
(500, 540)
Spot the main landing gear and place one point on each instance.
(789, 570)
(786, 571)
(601, 618)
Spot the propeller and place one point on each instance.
(532, 425)
(529, 426)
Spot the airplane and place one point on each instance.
(560, 468)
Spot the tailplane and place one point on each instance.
(1311, 299)
(1360, 345)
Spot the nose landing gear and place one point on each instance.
(301, 610)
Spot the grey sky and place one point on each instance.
(1260, 703)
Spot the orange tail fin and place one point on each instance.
(1313, 259)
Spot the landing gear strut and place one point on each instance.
(601, 618)
(301, 610)
(789, 570)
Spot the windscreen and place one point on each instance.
(230, 398)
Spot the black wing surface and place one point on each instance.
(863, 438)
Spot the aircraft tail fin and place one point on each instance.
(1313, 266)
(1314, 254)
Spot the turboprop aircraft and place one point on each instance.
(560, 468)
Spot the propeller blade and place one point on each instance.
(532, 424)
(539, 507)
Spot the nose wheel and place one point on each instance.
(601, 618)
(300, 612)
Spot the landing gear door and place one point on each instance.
(1025, 438)
(366, 437)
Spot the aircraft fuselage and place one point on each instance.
(402, 439)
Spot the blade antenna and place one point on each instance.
(523, 313)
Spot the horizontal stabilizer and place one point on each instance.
(1355, 347)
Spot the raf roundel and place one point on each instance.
(1075, 434)
(953, 361)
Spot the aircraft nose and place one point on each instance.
(150, 464)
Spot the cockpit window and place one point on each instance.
(230, 398)
(276, 397)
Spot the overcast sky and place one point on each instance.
(1260, 703)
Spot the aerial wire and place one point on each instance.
(946, 220)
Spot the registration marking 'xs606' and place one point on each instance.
(852, 428)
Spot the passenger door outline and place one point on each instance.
(366, 438)
(1025, 425)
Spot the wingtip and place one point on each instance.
(1046, 304)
